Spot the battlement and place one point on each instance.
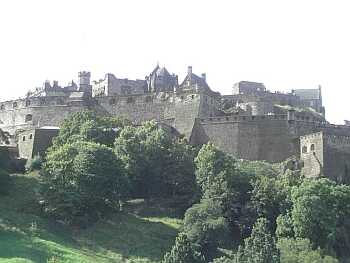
(273, 117)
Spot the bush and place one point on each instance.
(260, 247)
(81, 182)
(183, 252)
(300, 250)
(34, 164)
(4, 182)
(205, 226)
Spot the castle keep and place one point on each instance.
(251, 123)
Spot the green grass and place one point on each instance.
(142, 233)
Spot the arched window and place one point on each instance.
(304, 150)
(312, 148)
(2, 107)
(14, 105)
(30, 136)
(24, 138)
(29, 117)
(27, 103)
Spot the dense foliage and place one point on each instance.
(237, 211)
(81, 180)
(88, 126)
(156, 163)
(183, 252)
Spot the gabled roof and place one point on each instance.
(194, 81)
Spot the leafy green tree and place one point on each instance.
(183, 252)
(219, 178)
(300, 251)
(157, 164)
(260, 247)
(205, 226)
(89, 126)
(321, 212)
(82, 180)
(284, 224)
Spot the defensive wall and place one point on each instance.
(328, 154)
(272, 138)
(176, 109)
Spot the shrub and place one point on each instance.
(300, 250)
(183, 252)
(205, 226)
(34, 163)
(260, 247)
(81, 182)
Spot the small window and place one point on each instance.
(148, 99)
(27, 103)
(182, 97)
(312, 148)
(24, 138)
(2, 107)
(112, 101)
(29, 117)
(59, 102)
(304, 149)
(14, 105)
(129, 100)
(30, 136)
(192, 97)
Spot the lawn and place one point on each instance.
(142, 233)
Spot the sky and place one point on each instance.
(286, 44)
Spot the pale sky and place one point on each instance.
(284, 44)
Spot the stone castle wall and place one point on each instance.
(36, 112)
(326, 154)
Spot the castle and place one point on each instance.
(252, 123)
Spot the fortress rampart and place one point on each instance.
(252, 124)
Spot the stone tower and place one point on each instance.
(84, 82)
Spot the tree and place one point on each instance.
(321, 212)
(157, 163)
(89, 126)
(260, 247)
(82, 180)
(219, 178)
(300, 251)
(183, 252)
(205, 226)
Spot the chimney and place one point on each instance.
(204, 77)
(189, 70)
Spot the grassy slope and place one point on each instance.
(140, 234)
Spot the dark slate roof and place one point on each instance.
(308, 94)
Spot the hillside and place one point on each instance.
(142, 233)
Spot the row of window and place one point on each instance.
(312, 148)
(30, 137)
